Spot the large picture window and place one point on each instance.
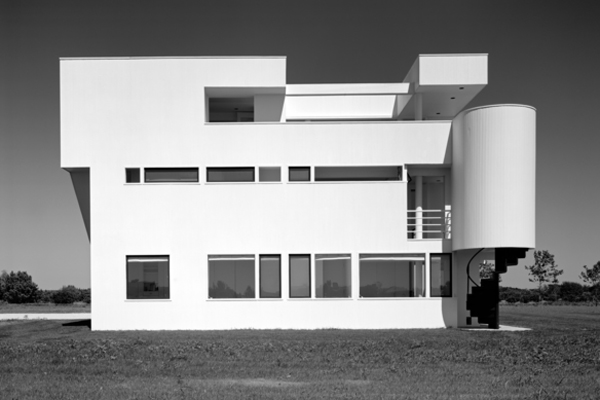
(148, 277)
(270, 276)
(231, 277)
(300, 276)
(332, 275)
(441, 275)
(392, 275)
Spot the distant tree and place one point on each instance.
(571, 291)
(46, 296)
(67, 295)
(486, 270)
(3, 276)
(591, 276)
(544, 270)
(18, 288)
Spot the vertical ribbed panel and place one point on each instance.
(493, 175)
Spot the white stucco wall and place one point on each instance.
(119, 113)
(493, 174)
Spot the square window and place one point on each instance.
(270, 277)
(392, 275)
(148, 277)
(132, 175)
(300, 276)
(269, 174)
(441, 275)
(332, 275)
(299, 174)
(231, 277)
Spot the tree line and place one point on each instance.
(19, 287)
(545, 272)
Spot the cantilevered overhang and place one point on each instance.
(348, 89)
(444, 84)
(382, 101)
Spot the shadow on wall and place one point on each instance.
(450, 312)
(83, 322)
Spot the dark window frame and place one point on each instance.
(260, 275)
(232, 256)
(269, 167)
(173, 169)
(128, 176)
(168, 277)
(309, 276)
(397, 177)
(290, 169)
(431, 276)
(412, 288)
(349, 276)
(221, 169)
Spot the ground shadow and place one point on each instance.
(83, 322)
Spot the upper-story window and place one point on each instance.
(132, 175)
(368, 173)
(230, 174)
(299, 174)
(269, 174)
(157, 175)
(231, 109)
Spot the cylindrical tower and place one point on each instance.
(493, 175)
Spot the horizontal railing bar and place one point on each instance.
(424, 225)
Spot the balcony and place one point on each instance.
(429, 224)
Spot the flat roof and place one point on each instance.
(347, 89)
(171, 57)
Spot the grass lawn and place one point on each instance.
(560, 359)
(44, 308)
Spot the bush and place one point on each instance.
(86, 295)
(67, 295)
(571, 291)
(46, 296)
(516, 295)
(18, 288)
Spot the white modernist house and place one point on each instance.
(217, 196)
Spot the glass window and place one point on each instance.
(270, 276)
(147, 277)
(299, 174)
(269, 174)
(332, 275)
(170, 175)
(441, 275)
(231, 109)
(231, 277)
(132, 175)
(392, 275)
(230, 174)
(371, 173)
(300, 276)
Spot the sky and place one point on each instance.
(541, 53)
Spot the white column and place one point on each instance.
(419, 207)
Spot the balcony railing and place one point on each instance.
(429, 224)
